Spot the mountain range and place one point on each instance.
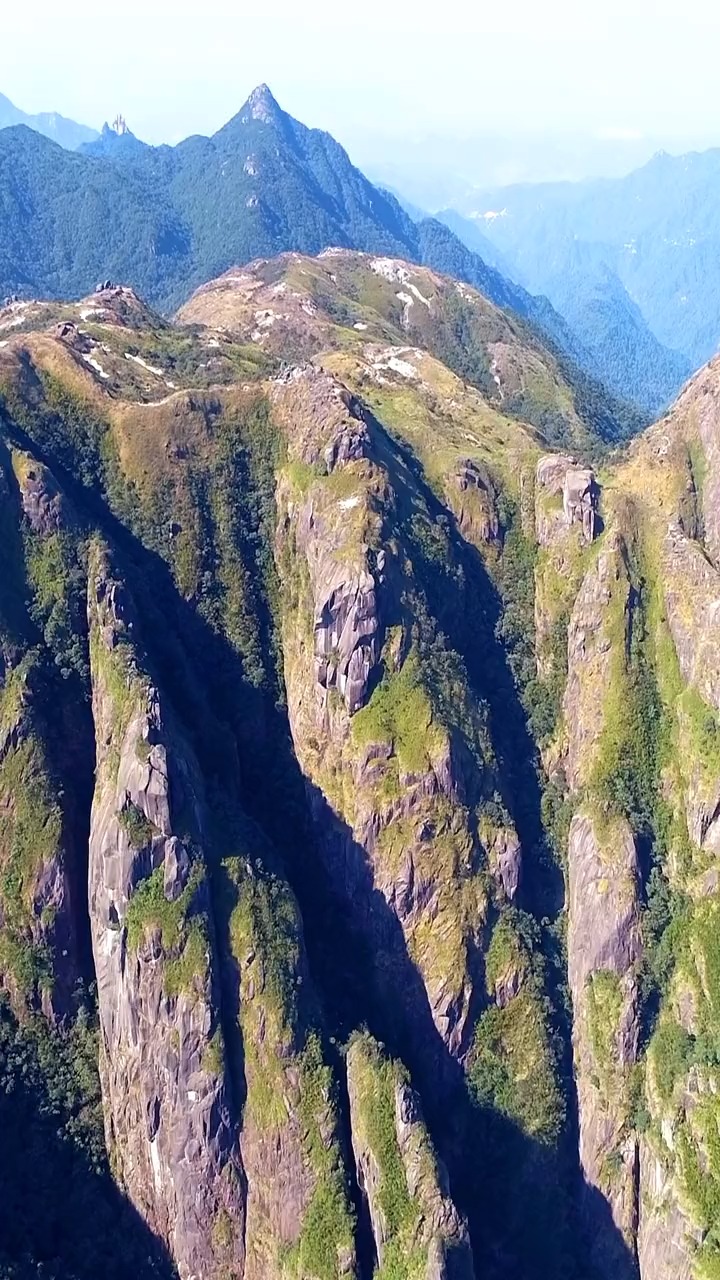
(67, 133)
(166, 219)
(655, 231)
(618, 273)
(359, 728)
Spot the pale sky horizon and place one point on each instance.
(619, 70)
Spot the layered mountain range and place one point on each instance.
(67, 133)
(650, 236)
(167, 219)
(618, 273)
(359, 791)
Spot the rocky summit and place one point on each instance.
(359, 792)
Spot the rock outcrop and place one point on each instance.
(415, 1224)
(567, 495)
(39, 957)
(604, 948)
(389, 799)
(596, 639)
(666, 1242)
(42, 502)
(703, 403)
(39, 945)
(472, 496)
(168, 1108)
(691, 585)
(266, 657)
(346, 623)
(604, 937)
(565, 526)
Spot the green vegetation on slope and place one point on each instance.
(182, 926)
(514, 1065)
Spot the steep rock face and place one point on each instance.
(566, 495)
(670, 474)
(386, 783)
(566, 521)
(414, 1222)
(166, 1097)
(692, 590)
(595, 641)
(666, 1241)
(183, 957)
(299, 1220)
(603, 952)
(39, 957)
(704, 401)
(404, 557)
(346, 625)
(38, 936)
(692, 603)
(604, 941)
(42, 502)
(472, 496)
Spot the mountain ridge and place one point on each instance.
(272, 184)
(67, 133)
(655, 229)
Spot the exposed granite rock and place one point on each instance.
(666, 1241)
(325, 423)
(395, 837)
(423, 868)
(551, 471)
(565, 524)
(590, 656)
(472, 496)
(346, 629)
(329, 432)
(42, 502)
(604, 938)
(505, 857)
(580, 500)
(290, 1136)
(705, 395)
(691, 585)
(167, 1102)
(559, 477)
(388, 1130)
(702, 801)
(507, 985)
(604, 948)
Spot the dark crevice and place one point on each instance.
(61, 1212)
(366, 1252)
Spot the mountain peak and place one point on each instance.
(261, 105)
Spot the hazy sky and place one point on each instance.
(373, 66)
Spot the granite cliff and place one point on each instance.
(359, 788)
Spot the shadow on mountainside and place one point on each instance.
(523, 1186)
(61, 1213)
(513, 1190)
